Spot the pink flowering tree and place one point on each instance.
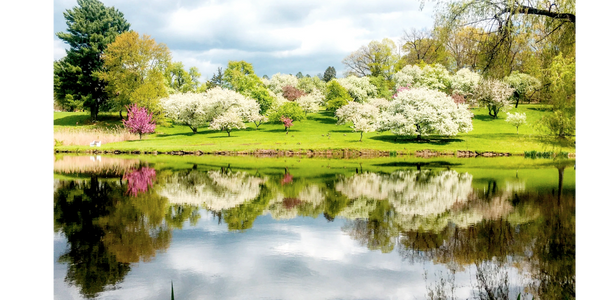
(138, 180)
(401, 89)
(287, 122)
(139, 120)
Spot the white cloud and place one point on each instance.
(275, 36)
(59, 49)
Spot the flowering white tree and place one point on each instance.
(258, 119)
(423, 111)
(516, 119)
(434, 77)
(464, 82)
(309, 103)
(195, 110)
(522, 84)
(408, 76)
(228, 121)
(381, 103)
(359, 88)
(493, 94)
(185, 109)
(278, 81)
(363, 116)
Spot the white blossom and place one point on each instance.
(228, 121)
(516, 119)
(359, 88)
(213, 190)
(363, 116)
(434, 77)
(464, 82)
(309, 103)
(197, 109)
(493, 94)
(278, 81)
(422, 111)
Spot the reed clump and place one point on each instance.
(77, 136)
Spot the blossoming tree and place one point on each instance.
(195, 110)
(362, 115)
(493, 94)
(423, 111)
(139, 120)
(228, 121)
(516, 119)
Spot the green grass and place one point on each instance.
(320, 132)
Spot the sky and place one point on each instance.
(274, 36)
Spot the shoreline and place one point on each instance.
(330, 153)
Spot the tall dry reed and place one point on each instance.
(75, 136)
(93, 164)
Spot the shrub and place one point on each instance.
(336, 103)
(289, 110)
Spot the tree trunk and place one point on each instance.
(140, 136)
(228, 132)
(121, 113)
(361, 133)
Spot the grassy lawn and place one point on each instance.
(320, 132)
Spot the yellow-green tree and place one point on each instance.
(134, 70)
(375, 59)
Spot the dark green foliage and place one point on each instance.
(90, 28)
(329, 74)
(299, 75)
(216, 80)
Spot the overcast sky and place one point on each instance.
(275, 36)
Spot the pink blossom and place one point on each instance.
(287, 122)
(139, 120)
(287, 178)
(139, 180)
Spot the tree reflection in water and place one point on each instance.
(108, 228)
(425, 215)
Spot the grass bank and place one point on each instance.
(320, 133)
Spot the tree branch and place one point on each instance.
(522, 9)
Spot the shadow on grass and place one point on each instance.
(190, 133)
(431, 140)
(540, 108)
(73, 120)
(325, 118)
(78, 120)
(222, 136)
(485, 118)
(565, 142)
(344, 131)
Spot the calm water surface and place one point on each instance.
(292, 228)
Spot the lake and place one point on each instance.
(235, 227)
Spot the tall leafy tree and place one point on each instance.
(375, 59)
(134, 71)
(423, 46)
(329, 74)
(180, 80)
(91, 26)
(239, 76)
(547, 23)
